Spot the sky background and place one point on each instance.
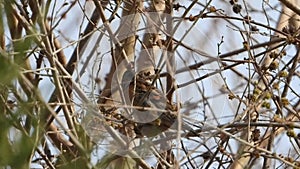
(204, 36)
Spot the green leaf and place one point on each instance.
(5, 146)
(8, 71)
(112, 161)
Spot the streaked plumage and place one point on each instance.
(142, 93)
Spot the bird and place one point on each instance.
(142, 93)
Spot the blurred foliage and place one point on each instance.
(35, 131)
(112, 161)
(8, 71)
